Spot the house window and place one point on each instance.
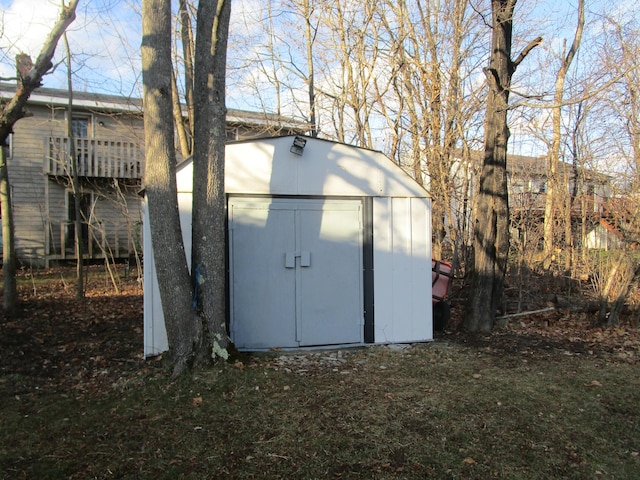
(80, 126)
(82, 132)
(10, 146)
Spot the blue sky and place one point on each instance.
(105, 37)
(105, 41)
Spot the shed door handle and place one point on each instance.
(290, 259)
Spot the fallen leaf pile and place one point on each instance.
(551, 333)
(57, 342)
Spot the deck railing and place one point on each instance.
(530, 201)
(94, 158)
(111, 241)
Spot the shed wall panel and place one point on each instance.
(154, 333)
(325, 169)
(402, 263)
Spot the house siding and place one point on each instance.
(40, 201)
(28, 183)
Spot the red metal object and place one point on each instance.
(441, 276)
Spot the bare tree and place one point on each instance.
(557, 182)
(29, 78)
(623, 106)
(491, 240)
(426, 51)
(75, 179)
(355, 47)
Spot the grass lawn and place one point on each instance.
(77, 401)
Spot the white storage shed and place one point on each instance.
(328, 244)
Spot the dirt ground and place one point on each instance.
(56, 342)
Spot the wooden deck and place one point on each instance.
(97, 158)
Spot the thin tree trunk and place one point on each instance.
(578, 195)
(452, 115)
(75, 180)
(309, 40)
(549, 211)
(188, 57)
(185, 139)
(10, 292)
(557, 183)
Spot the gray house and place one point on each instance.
(328, 244)
(109, 155)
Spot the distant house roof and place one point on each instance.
(117, 103)
(537, 166)
(519, 163)
(97, 101)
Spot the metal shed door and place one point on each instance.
(296, 272)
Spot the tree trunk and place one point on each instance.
(184, 127)
(75, 180)
(578, 194)
(209, 199)
(185, 136)
(10, 293)
(184, 329)
(558, 183)
(491, 237)
(309, 40)
(549, 211)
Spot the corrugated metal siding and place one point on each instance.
(402, 259)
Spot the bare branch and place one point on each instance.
(574, 100)
(532, 44)
(480, 14)
(43, 62)
(15, 108)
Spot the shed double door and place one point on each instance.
(295, 272)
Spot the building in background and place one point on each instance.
(108, 148)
